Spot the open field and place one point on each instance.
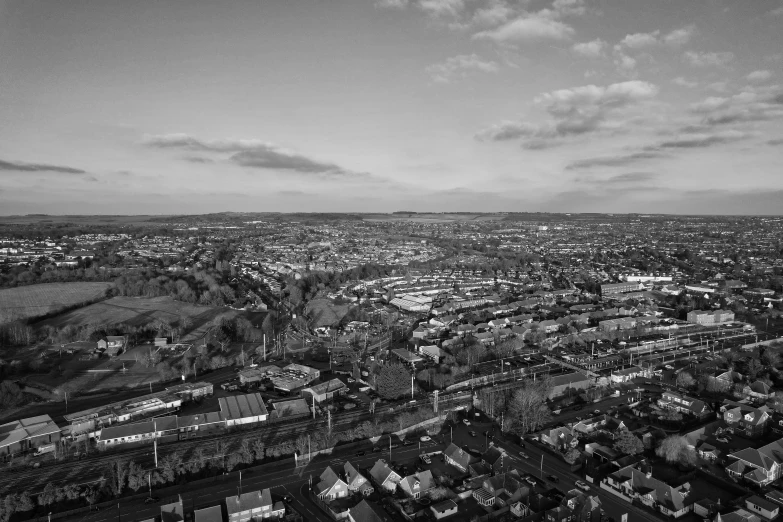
(37, 300)
(142, 311)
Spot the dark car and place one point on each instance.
(377, 449)
(553, 478)
(360, 453)
(288, 498)
(407, 442)
(151, 500)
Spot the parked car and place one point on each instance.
(466, 422)
(425, 459)
(377, 449)
(288, 498)
(407, 442)
(530, 480)
(524, 455)
(425, 438)
(151, 500)
(597, 412)
(553, 478)
(472, 433)
(361, 453)
(354, 397)
(582, 485)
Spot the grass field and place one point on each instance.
(37, 300)
(141, 311)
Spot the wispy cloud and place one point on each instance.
(708, 59)
(684, 82)
(460, 67)
(778, 11)
(248, 153)
(620, 160)
(573, 112)
(704, 140)
(675, 38)
(20, 166)
(633, 177)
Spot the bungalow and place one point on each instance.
(640, 485)
(384, 476)
(26, 434)
(418, 484)
(457, 457)
(751, 422)
(433, 352)
(113, 344)
(758, 390)
(444, 509)
(560, 438)
(503, 489)
(763, 507)
(761, 466)
(356, 481)
(324, 391)
(683, 403)
(331, 486)
(366, 511)
(739, 515)
(708, 452)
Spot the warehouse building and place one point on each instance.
(243, 409)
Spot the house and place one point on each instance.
(406, 356)
(749, 421)
(589, 425)
(324, 391)
(493, 458)
(210, 514)
(366, 511)
(457, 457)
(519, 509)
(761, 466)
(444, 509)
(356, 481)
(560, 438)
(243, 409)
(708, 452)
(761, 506)
(583, 507)
(758, 390)
(418, 484)
(331, 486)
(173, 512)
(501, 490)
(253, 505)
(386, 478)
(637, 484)
(684, 404)
(626, 374)
(27, 434)
(740, 515)
(566, 383)
(433, 352)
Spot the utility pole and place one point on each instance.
(411, 386)
(155, 441)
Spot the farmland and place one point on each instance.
(142, 311)
(36, 300)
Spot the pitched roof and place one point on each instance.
(328, 480)
(661, 492)
(242, 406)
(458, 455)
(421, 481)
(366, 511)
(381, 472)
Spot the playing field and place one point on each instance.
(37, 300)
(141, 311)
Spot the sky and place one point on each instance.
(193, 106)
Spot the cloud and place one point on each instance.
(37, 167)
(778, 11)
(569, 7)
(492, 15)
(754, 104)
(248, 153)
(199, 159)
(526, 29)
(460, 66)
(682, 82)
(392, 4)
(633, 177)
(442, 8)
(698, 59)
(705, 140)
(614, 161)
(592, 49)
(681, 36)
(775, 142)
(573, 112)
(759, 76)
(640, 40)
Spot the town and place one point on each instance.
(229, 367)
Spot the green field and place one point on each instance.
(142, 311)
(37, 300)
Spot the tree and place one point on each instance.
(10, 394)
(675, 449)
(24, 502)
(572, 455)
(137, 478)
(628, 443)
(117, 472)
(527, 409)
(258, 449)
(438, 493)
(753, 368)
(770, 358)
(393, 381)
(685, 380)
(48, 496)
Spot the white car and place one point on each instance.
(582, 485)
(425, 438)
(353, 397)
(466, 422)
